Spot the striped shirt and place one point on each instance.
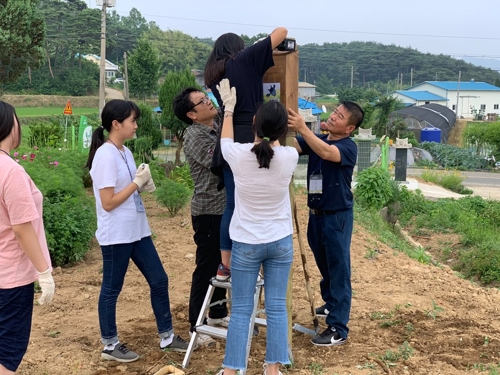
(199, 145)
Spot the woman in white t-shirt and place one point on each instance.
(24, 256)
(261, 229)
(122, 228)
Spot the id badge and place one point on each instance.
(138, 203)
(316, 184)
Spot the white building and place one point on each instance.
(110, 68)
(418, 98)
(478, 97)
(307, 91)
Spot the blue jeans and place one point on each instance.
(276, 258)
(115, 263)
(225, 240)
(329, 237)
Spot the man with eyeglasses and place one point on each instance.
(194, 108)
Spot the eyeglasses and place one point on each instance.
(205, 100)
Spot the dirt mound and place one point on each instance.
(407, 317)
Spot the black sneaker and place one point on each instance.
(120, 353)
(329, 337)
(322, 311)
(177, 345)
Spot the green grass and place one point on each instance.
(32, 112)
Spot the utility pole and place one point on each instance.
(411, 77)
(102, 61)
(352, 76)
(458, 92)
(125, 73)
(401, 86)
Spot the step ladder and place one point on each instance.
(221, 333)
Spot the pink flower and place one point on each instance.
(16, 153)
(35, 147)
(51, 163)
(56, 163)
(24, 157)
(32, 156)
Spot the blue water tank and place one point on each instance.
(430, 135)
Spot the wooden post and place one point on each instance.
(286, 72)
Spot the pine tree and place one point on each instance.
(21, 38)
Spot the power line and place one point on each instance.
(322, 30)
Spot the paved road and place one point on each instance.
(471, 179)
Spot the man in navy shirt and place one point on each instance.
(332, 158)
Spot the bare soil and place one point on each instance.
(450, 325)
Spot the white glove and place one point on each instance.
(46, 282)
(142, 175)
(227, 94)
(149, 187)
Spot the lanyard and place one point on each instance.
(124, 157)
(5, 152)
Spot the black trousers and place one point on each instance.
(207, 239)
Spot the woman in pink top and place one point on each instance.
(24, 257)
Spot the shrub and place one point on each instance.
(449, 156)
(143, 149)
(157, 171)
(424, 163)
(147, 127)
(182, 174)
(68, 214)
(173, 195)
(46, 134)
(451, 180)
(70, 224)
(374, 188)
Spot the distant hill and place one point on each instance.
(374, 63)
(483, 62)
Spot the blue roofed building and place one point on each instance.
(410, 98)
(474, 99)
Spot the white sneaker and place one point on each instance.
(265, 370)
(204, 341)
(222, 322)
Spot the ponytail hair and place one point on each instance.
(116, 109)
(271, 123)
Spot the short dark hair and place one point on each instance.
(7, 123)
(182, 104)
(357, 115)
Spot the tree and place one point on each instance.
(251, 40)
(349, 94)
(174, 83)
(143, 69)
(179, 51)
(385, 105)
(324, 84)
(21, 38)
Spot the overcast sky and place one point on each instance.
(458, 28)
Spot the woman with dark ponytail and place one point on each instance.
(123, 230)
(261, 229)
